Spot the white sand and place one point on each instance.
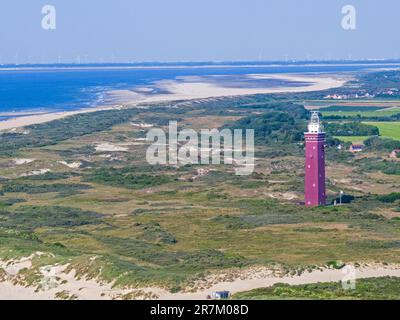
(13, 267)
(36, 172)
(185, 90)
(108, 147)
(267, 280)
(142, 125)
(46, 117)
(198, 88)
(72, 165)
(55, 281)
(20, 161)
(83, 289)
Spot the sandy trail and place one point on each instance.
(90, 289)
(326, 275)
(185, 90)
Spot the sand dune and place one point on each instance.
(266, 280)
(55, 281)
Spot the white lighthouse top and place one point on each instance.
(314, 125)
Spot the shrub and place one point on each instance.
(389, 198)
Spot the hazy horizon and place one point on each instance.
(209, 63)
(175, 31)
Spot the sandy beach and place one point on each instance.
(41, 117)
(172, 90)
(198, 88)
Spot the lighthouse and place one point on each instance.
(314, 186)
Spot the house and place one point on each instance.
(395, 154)
(335, 97)
(356, 148)
(221, 294)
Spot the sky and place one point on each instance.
(197, 30)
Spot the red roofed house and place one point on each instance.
(394, 154)
(356, 148)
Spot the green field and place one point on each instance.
(353, 139)
(388, 129)
(362, 114)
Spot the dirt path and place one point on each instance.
(326, 275)
(90, 289)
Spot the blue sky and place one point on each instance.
(177, 30)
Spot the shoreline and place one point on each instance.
(184, 90)
(42, 117)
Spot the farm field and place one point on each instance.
(388, 129)
(379, 112)
(359, 103)
(352, 139)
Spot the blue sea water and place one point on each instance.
(54, 89)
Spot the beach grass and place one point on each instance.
(384, 288)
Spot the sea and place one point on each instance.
(47, 88)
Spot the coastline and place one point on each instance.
(42, 117)
(183, 90)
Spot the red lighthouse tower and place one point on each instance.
(315, 191)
